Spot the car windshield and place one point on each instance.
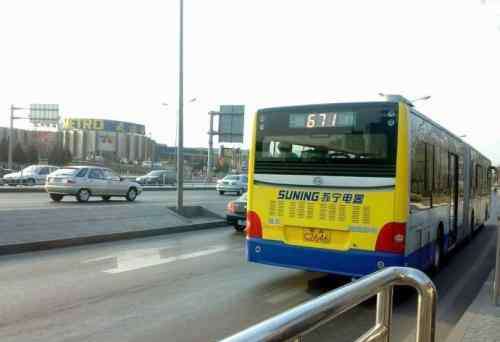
(155, 173)
(68, 171)
(232, 178)
(30, 169)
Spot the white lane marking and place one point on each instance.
(285, 296)
(136, 260)
(131, 254)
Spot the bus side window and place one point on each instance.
(477, 180)
(444, 175)
(419, 191)
(438, 192)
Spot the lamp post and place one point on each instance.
(423, 98)
(11, 133)
(180, 122)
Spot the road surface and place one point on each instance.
(193, 286)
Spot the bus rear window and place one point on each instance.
(332, 141)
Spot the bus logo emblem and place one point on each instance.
(317, 181)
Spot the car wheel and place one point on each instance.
(106, 198)
(239, 228)
(56, 197)
(221, 192)
(83, 195)
(131, 194)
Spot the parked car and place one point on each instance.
(157, 177)
(84, 182)
(232, 183)
(31, 175)
(4, 172)
(236, 212)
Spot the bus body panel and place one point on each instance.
(351, 225)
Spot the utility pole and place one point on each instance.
(11, 133)
(210, 158)
(180, 128)
(11, 137)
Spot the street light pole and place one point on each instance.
(11, 137)
(180, 128)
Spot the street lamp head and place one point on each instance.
(423, 98)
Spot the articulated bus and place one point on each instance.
(351, 188)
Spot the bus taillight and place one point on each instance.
(391, 238)
(254, 226)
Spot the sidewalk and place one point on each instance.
(481, 321)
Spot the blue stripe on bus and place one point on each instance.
(349, 263)
(422, 258)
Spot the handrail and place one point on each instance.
(298, 321)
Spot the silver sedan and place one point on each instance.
(86, 181)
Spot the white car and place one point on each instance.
(31, 175)
(84, 182)
(232, 183)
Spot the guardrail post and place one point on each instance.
(426, 315)
(384, 312)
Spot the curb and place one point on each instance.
(28, 190)
(86, 240)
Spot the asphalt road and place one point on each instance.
(193, 287)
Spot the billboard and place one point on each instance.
(103, 125)
(106, 142)
(44, 114)
(231, 121)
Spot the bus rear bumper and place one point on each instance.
(349, 263)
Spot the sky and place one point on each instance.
(118, 59)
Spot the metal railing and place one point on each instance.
(298, 321)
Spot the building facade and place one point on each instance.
(89, 139)
(109, 139)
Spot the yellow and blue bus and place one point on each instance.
(350, 188)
